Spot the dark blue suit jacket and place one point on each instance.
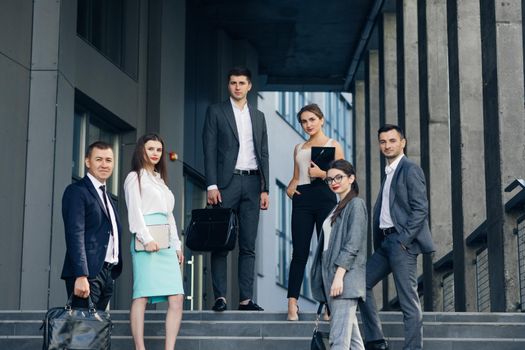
(87, 229)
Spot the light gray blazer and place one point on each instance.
(221, 144)
(346, 248)
(408, 209)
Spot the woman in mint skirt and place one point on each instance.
(156, 272)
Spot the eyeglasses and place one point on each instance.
(336, 179)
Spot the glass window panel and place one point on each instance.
(281, 236)
(482, 281)
(280, 103)
(114, 180)
(97, 25)
(83, 18)
(194, 275)
(114, 35)
(279, 225)
(93, 134)
(87, 130)
(112, 28)
(328, 128)
(287, 106)
(448, 293)
(521, 260)
(79, 143)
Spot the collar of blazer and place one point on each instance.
(230, 117)
(91, 188)
(395, 176)
(339, 221)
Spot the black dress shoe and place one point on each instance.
(380, 344)
(220, 305)
(251, 306)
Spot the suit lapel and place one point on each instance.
(255, 126)
(379, 201)
(114, 212)
(230, 117)
(93, 191)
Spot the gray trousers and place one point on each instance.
(242, 194)
(344, 330)
(391, 257)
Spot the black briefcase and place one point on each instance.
(212, 229)
(68, 328)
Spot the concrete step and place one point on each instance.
(392, 316)
(244, 343)
(265, 330)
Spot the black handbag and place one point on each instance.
(319, 338)
(212, 229)
(68, 328)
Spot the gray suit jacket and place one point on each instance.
(408, 209)
(346, 248)
(221, 144)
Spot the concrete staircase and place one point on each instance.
(234, 330)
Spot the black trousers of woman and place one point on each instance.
(309, 209)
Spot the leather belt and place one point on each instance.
(246, 172)
(388, 231)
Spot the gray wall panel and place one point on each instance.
(201, 87)
(105, 83)
(39, 188)
(62, 178)
(16, 19)
(68, 40)
(124, 284)
(14, 104)
(172, 96)
(46, 22)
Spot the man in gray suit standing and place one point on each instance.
(401, 232)
(236, 165)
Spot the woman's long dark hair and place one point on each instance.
(347, 168)
(139, 160)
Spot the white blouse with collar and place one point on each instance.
(153, 196)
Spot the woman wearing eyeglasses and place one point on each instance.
(338, 270)
(312, 200)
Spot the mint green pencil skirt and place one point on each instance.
(156, 275)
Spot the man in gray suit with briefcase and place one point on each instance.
(236, 166)
(401, 232)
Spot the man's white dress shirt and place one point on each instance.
(152, 196)
(385, 220)
(246, 159)
(112, 250)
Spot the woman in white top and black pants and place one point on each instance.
(311, 198)
(156, 271)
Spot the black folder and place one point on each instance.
(322, 156)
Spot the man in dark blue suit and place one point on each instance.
(92, 227)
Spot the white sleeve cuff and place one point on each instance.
(144, 237)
